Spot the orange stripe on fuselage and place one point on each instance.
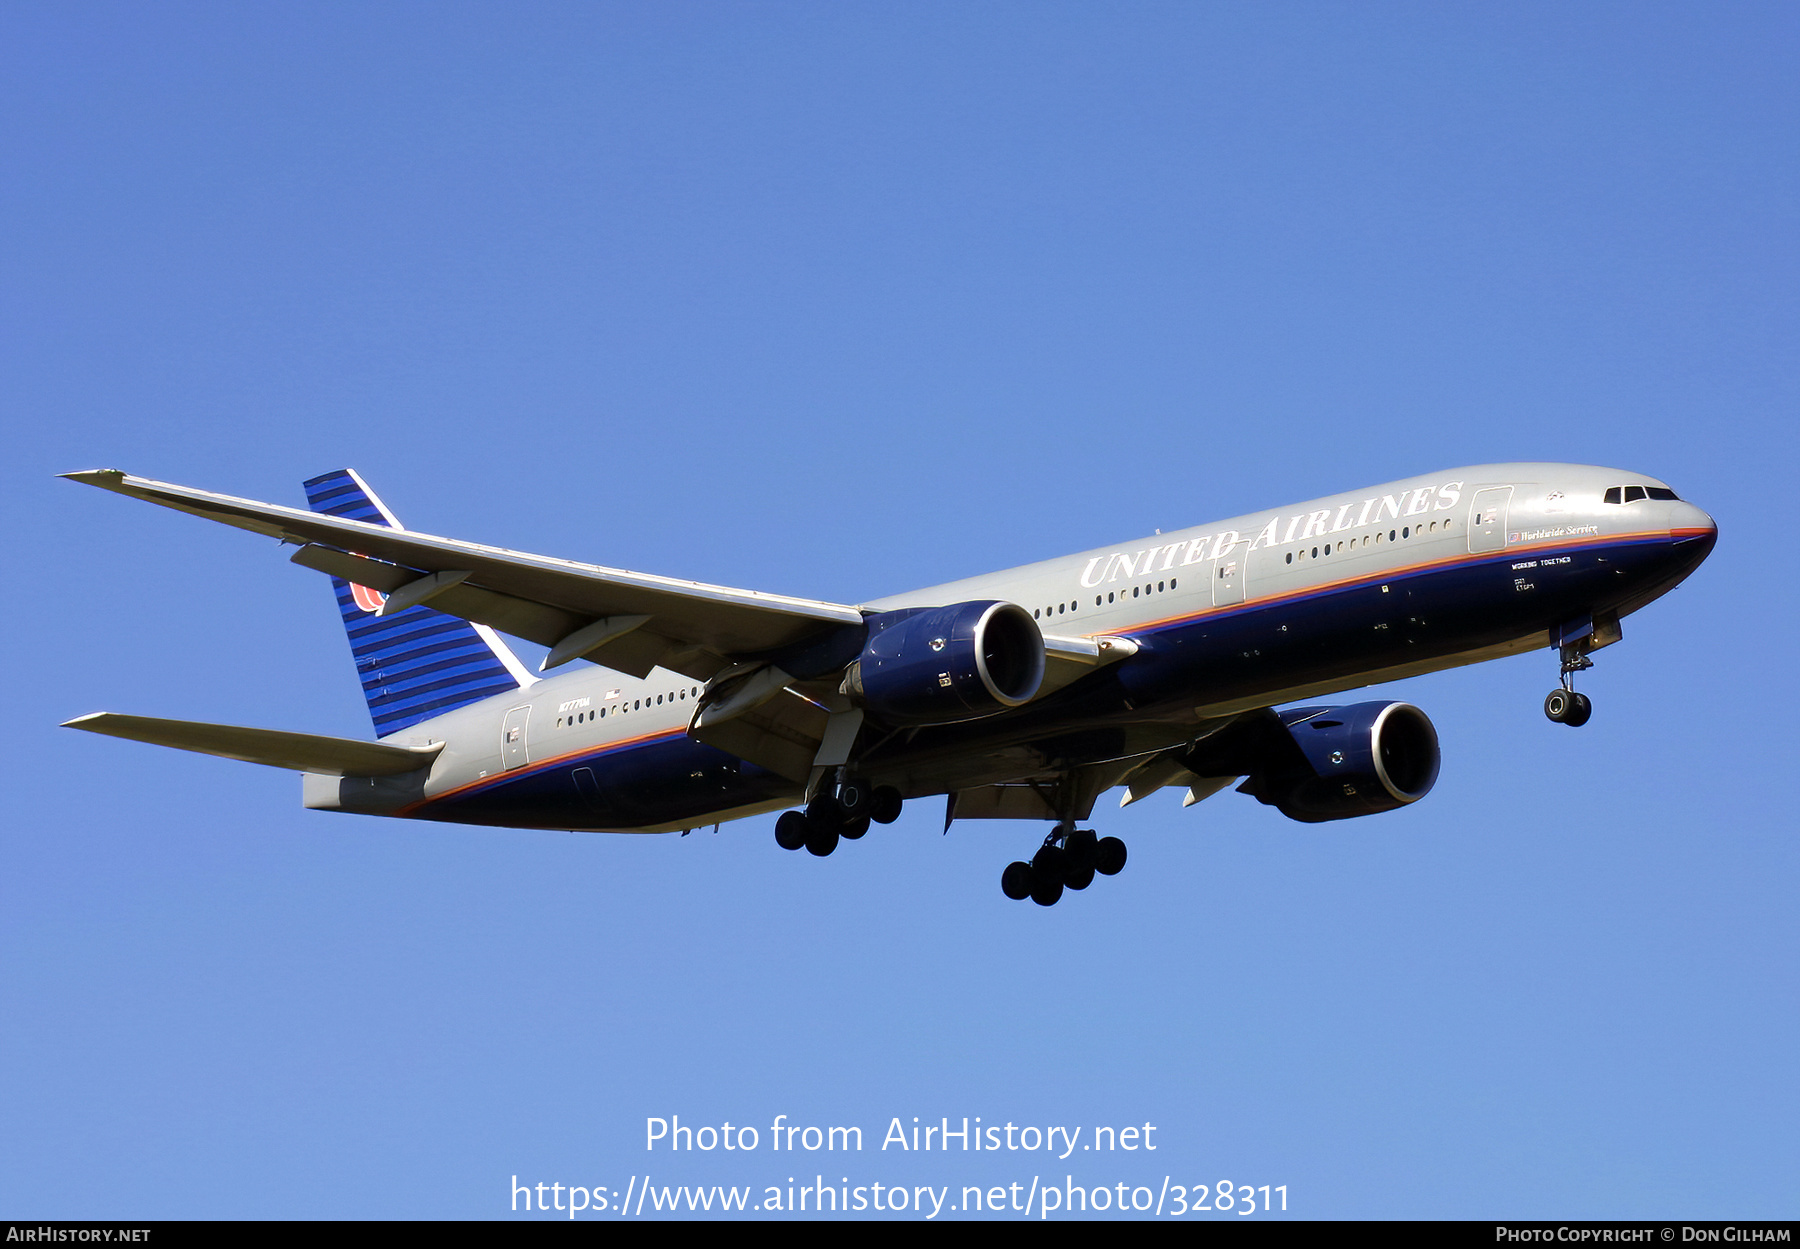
(539, 765)
(1389, 574)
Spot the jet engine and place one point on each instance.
(940, 665)
(1327, 763)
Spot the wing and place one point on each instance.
(625, 620)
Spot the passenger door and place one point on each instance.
(1228, 577)
(1487, 519)
(514, 749)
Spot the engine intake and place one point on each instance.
(941, 665)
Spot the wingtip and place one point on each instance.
(96, 476)
(81, 722)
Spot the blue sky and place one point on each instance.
(836, 301)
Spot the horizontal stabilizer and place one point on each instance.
(302, 752)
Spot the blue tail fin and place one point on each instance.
(417, 663)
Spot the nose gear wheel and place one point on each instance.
(1563, 705)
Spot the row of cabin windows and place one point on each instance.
(1392, 536)
(1631, 494)
(636, 704)
(1102, 600)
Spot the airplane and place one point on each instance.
(1019, 695)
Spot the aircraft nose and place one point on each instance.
(1689, 524)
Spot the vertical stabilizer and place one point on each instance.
(417, 663)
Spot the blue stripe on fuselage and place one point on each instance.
(640, 783)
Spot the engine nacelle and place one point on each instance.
(1331, 763)
(940, 665)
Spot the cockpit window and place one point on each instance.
(1631, 494)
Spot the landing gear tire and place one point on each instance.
(1050, 863)
(1558, 704)
(1079, 877)
(884, 804)
(1081, 847)
(822, 811)
(1109, 856)
(1016, 881)
(820, 839)
(1580, 713)
(852, 800)
(790, 830)
(1045, 893)
(855, 828)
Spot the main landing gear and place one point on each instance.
(837, 812)
(1068, 859)
(1563, 704)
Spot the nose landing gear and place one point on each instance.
(1563, 705)
(1068, 859)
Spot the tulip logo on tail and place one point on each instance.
(367, 599)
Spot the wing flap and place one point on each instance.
(522, 618)
(275, 748)
(782, 734)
